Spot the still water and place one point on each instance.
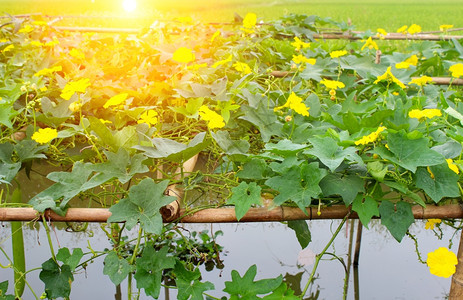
(387, 269)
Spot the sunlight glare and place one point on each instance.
(129, 5)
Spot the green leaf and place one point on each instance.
(150, 266)
(190, 110)
(243, 197)
(444, 183)
(347, 186)
(229, 146)
(377, 169)
(8, 171)
(302, 231)
(116, 268)
(283, 292)
(175, 151)
(254, 169)
(366, 207)
(189, 284)
(246, 288)
(119, 165)
(57, 279)
(142, 205)
(264, 119)
(397, 218)
(365, 65)
(28, 150)
(330, 153)
(284, 148)
(7, 113)
(72, 260)
(409, 153)
(3, 291)
(298, 184)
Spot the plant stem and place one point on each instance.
(47, 230)
(320, 255)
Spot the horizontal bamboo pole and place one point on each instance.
(390, 36)
(227, 214)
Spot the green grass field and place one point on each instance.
(364, 14)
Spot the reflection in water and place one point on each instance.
(386, 270)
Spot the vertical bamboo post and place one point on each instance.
(357, 243)
(456, 288)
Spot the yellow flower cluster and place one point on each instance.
(411, 61)
(332, 84)
(445, 27)
(183, 55)
(442, 262)
(457, 70)
(48, 71)
(338, 53)
(388, 76)
(117, 100)
(76, 53)
(72, 87)
(213, 119)
(302, 59)
(44, 135)
(249, 22)
(242, 67)
(298, 44)
(431, 223)
(452, 166)
(425, 113)
(149, 117)
(381, 33)
(371, 138)
(414, 29)
(402, 29)
(421, 81)
(295, 103)
(370, 44)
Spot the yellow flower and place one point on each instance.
(295, 103)
(402, 65)
(370, 44)
(445, 27)
(402, 29)
(37, 43)
(388, 76)
(215, 35)
(372, 137)
(302, 59)
(298, 44)
(338, 53)
(442, 262)
(452, 165)
(48, 71)
(414, 29)
(332, 84)
(8, 48)
(222, 62)
(425, 113)
(44, 135)
(413, 60)
(457, 70)
(116, 100)
(52, 43)
(242, 67)
(421, 81)
(26, 29)
(183, 55)
(214, 119)
(249, 22)
(73, 87)
(381, 33)
(431, 223)
(149, 117)
(76, 53)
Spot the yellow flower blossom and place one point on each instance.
(249, 22)
(298, 44)
(425, 113)
(26, 29)
(116, 100)
(295, 103)
(421, 81)
(338, 53)
(149, 117)
(48, 71)
(371, 138)
(214, 119)
(215, 35)
(452, 166)
(76, 53)
(52, 43)
(402, 65)
(242, 67)
(8, 48)
(72, 87)
(402, 29)
(370, 44)
(414, 29)
(381, 33)
(431, 223)
(332, 84)
(37, 43)
(44, 135)
(302, 59)
(442, 262)
(445, 27)
(388, 76)
(457, 70)
(183, 55)
(222, 62)
(412, 60)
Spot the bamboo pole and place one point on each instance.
(227, 214)
(456, 287)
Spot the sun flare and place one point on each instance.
(129, 5)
